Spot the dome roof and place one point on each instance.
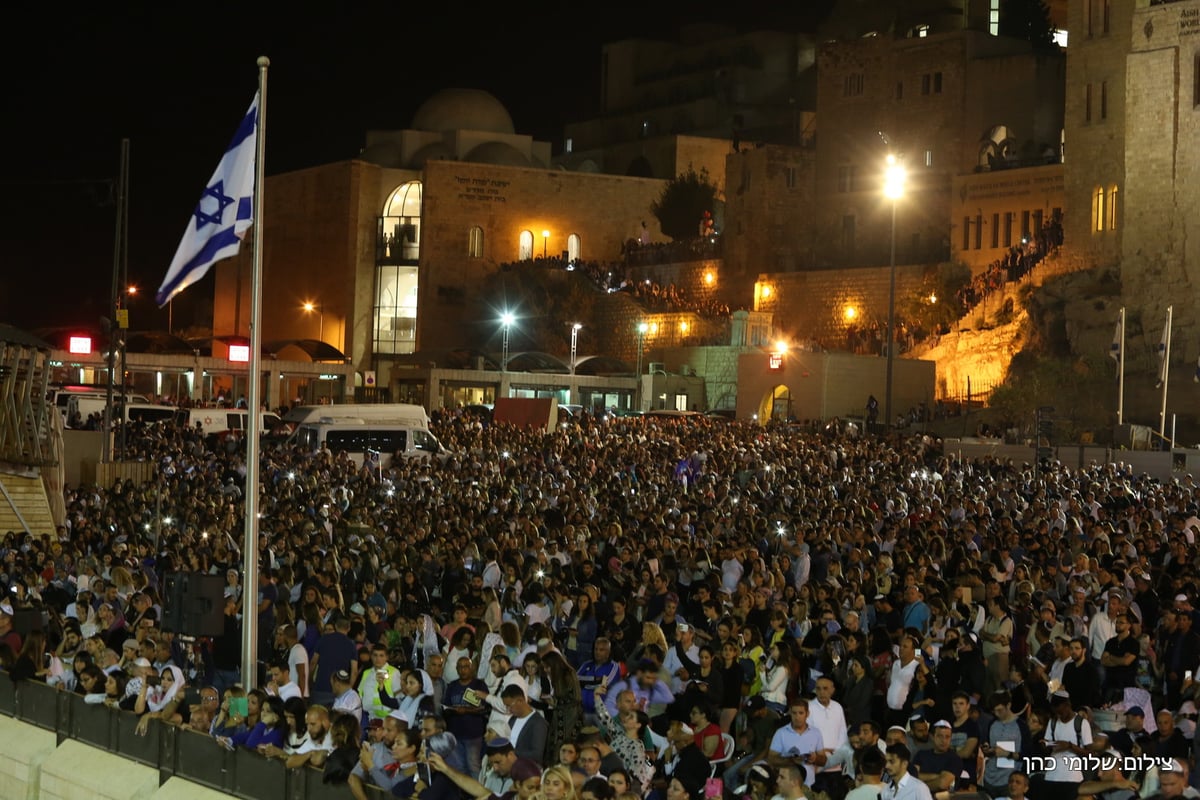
(385, 154)
(463, 110)
(499, 154)
(434, 151)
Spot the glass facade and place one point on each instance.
(397, 253)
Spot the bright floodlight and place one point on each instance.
(643, 327)
(781, 347)
(507, 319)
(576, 326)
(309, 307)
(893, 180)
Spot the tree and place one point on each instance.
(683, 202)
(1028, 20)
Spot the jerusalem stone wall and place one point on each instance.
(814, 305)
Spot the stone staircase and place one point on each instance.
(24, 497)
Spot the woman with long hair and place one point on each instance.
(540, 691)
(731, 679)
(557, 784)
(565, 713)
(30, 661)
(462, 645)
(346, 734)
(581, 631)
(773, 678)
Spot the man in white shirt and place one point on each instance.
(314, 749)
(904, 670)
(346, 700)
(1068, 736)
(281, 685)
(901, 785)
(827, 716)
(682, 662)
(297, 658)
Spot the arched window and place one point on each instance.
(525, 246)
(1098, 209)
(475, 242)
(1112, 207)
(573, 247)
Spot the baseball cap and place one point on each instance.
(1135, 711)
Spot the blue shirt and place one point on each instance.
(789, 743)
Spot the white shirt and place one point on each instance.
(297, 656)
(902, 678)
(349, 702)
(830, 721)
(1059, 731)
(909, 788)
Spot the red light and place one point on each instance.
(81, 345)
(239, 352)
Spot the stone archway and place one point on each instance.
(775, 404)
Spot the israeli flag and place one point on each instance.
(1114, 350)
(223, 215)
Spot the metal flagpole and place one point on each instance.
(1121, 371)
(253, 418)
(1166, 374)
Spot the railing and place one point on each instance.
(173, 750)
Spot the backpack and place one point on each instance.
(1078, 728)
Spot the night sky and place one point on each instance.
(176, 78)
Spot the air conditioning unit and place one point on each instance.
(687, 370)
(657, 368)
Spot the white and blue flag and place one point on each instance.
(1114, 350)
(1162, 353)
(223, 215)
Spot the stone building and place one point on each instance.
(383, 255)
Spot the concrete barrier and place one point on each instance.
(179, 789)
(26, 748)
(77, 771)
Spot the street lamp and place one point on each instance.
(574, 344)
(545, 242)
(641, 332)
(893, 189)
(506, 321)
(311, 307)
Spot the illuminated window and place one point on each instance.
(929, 158)
(525, 246)
(574, 247)
(1112, 208)
(475, 242)
(1098, 209)
(994, 18)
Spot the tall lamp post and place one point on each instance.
(893, 189)
(641, 332)
(310, 308)
(506, 321)
(545, 242)
(574, 343)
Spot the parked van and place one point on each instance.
(358, 437)
(148, 412)
(215, 421)
(395, 413)
(85, 400)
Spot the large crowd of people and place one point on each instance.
(637, 608)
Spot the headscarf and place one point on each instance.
(161, 697)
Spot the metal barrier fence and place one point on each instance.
(172, 750)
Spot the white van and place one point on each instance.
(148, 412)
(214, 421)
(358, 437)
(395, 413)
(85, 400)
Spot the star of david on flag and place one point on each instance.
(223, 215)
